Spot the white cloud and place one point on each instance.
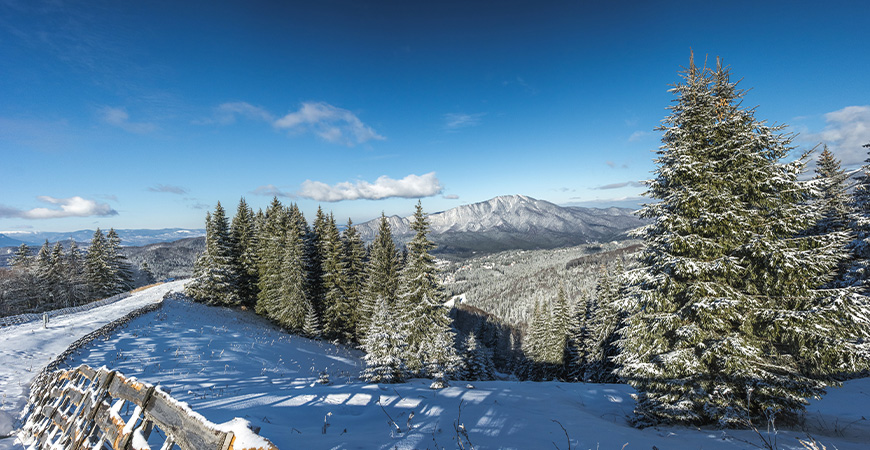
(621, 185)
(226, 113)
(412, 186)
(639, 135)
(455, 121)
(118, 117)
(168, 188)
(272, 191)
(69, 207)
(846, 132)
(330, 123)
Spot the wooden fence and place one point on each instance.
(83, 408)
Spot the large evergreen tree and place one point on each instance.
(382, 279)
(730, 321)
(384, 344)
(243, 230)
(122, 271)
(832, 198)
(294, 302)
(421, 303)
(272, 235)
(338, 309)
(98, 267)
(216, 279)
(354, 276)
(857, 272)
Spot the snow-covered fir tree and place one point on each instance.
(832, 197)
(216, 278)
(599, 336)
(421, 304)
(385, 346)
(294, 299)
(272, 234)
(98, 268)
(382, 281)
(857, 272)
(244, 233)
(311, 327)
(730, 322)
(477, 360)
(338, 310)
(122, 271)
(354, 254)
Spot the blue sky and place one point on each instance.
(145, 114)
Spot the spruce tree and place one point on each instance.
(98, 268)
(354, 276)
(311, 328)
(122, 272)
(294, 302)
(382, 280)
(76, 274)
(477, 360)
(421, 302)
(216, 281)
(599, 337)
(831, 197)
(243, 230)
(338, 310)
(384, 345)
(857, 272)
(271, 239)
(147, 275)
(729, 320)
(22, 259)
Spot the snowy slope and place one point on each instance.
(229, 364)
(25, 349)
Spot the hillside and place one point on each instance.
(228, 363)
(514, 222)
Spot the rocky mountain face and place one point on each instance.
(514, 222)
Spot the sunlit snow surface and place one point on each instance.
(228, 364)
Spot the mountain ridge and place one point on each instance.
(513, 222)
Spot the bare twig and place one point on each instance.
(393, 422)
(566, 434)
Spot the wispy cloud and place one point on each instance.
(455, 121)
(451, 197)
(68, 207)
(118, 117)
(168, 188)
(621, 185)
(272, 191)
(330, 123)
(639, 135)
(412, 186)
(846, 132)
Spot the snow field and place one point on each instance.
(228, 363)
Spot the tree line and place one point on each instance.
(58, 277)
(325, 283)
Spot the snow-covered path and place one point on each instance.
(26, 348)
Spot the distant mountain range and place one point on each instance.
(514, 222)
(128, 237)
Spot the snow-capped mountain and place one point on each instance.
(128, 237)
(513, 221)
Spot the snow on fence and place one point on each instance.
(24, 318)
(83, 408)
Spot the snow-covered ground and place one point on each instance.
(26, 348)
(229, 364)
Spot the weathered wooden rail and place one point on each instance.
(83, 408)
